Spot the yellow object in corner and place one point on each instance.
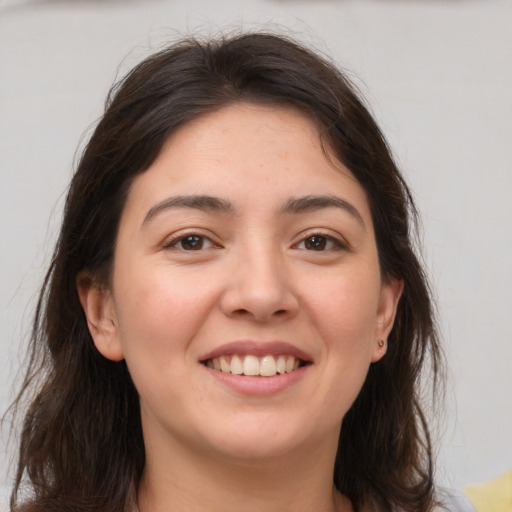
(492, 496)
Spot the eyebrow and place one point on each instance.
(310, 203)
(197, 202)
(294, 205)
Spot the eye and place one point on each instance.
(191, 242)
(319, 243)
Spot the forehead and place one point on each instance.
(247, 152)
(243, 130)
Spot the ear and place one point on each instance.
(390, 293)
(98, 305)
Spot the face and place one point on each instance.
(246, 293)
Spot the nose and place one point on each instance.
(260, 288)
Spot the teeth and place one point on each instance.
(251, 365)
(281, 364)
(224, 365)
(237, 367)
(267, 366)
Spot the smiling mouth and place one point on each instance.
(251, 365)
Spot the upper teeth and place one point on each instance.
(266, 366)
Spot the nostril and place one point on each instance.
(280, 312)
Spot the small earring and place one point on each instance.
(380, 343)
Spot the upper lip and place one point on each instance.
(259, 349)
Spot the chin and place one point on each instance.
(247, 450)
(260, 440)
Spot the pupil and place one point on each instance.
(192, 242)
(317, 243)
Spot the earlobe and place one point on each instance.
(98, 305)
(390, 294)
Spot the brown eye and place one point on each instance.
(190, 243)
(320, 243)
(315, 243)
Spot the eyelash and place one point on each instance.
(325, 242)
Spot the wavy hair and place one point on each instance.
(81, 441)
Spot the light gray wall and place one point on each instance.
(439, 77)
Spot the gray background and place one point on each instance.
(438, 75)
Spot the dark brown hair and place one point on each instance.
(81, 442)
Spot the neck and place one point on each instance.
(181, 480)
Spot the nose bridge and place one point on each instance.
(260, 286)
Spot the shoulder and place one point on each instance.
(452, 501)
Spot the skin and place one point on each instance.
(260, 276)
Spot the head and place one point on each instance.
(161, 97)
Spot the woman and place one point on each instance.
(234, 317)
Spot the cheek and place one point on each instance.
(344, 307)
(158, 316)
(343, 313)
(159, 311)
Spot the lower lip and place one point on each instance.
(258, 386)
